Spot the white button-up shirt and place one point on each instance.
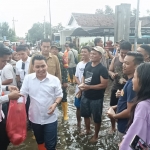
(42, 95)
(3, 99)
(22, 73)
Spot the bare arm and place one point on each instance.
(102, 85)
(125, 113)
(8, 81)
(109, 55)
(77, 80)
(111, 67)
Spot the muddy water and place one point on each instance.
(68, 134)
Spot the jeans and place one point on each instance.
(47, 134)
(4, 140)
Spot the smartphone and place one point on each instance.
(138, 144)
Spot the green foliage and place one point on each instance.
(5, 30)
(108, 10)
(133, 12)
(36, 33)
(148, 12)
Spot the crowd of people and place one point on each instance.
(43, 80)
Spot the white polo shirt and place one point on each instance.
(22, 73)
(3, 99)
(42, 95)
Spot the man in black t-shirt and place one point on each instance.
(95, 79)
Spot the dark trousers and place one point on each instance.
(64, 99)
(47, 134)
(4, 140)
(72, 72)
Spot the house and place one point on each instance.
(92, 25)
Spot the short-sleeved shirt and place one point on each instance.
(79, 73)
(71, 56)
(92, 77)
(127, 95)
(8, 73)
(22, 72)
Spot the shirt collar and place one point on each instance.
(28, 59)
(50, 55)
(34, 76)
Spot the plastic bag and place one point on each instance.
(16, 124)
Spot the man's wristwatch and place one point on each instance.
(7, 88)
(56, 103)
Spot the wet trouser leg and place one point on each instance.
(47, 134)
(4, 140)
(65, 104)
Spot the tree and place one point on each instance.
(108, 10)
(148, 12)
(5, 30)
(58, 28)
(36, 33)
(12, 35)
(99, 11)
(133, 12)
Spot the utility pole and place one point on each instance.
(136, 25)
(50, 19)
(44, 29)
(14, 24)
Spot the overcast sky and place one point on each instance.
(27, 12)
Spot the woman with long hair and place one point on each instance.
(139, 123)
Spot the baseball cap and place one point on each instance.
(99, 49)
(56, 47)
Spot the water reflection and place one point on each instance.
(68, 134)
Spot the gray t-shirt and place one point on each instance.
(71, 56)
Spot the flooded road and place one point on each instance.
(68, 134)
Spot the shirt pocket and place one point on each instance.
(51, 68)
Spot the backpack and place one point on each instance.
(75, 59)
(65, 59)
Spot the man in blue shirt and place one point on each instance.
(123, 109)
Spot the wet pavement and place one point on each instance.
(68, 134)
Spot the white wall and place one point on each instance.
(74, 24)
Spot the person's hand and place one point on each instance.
(52, 108)
(109, 115)
(113, 75)
(65, 85)
(78, 95)
(84, 87)
(14, 95)
(12, 88)
(118, 93)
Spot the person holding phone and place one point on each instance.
(139, 123)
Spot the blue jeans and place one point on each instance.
(47, 134)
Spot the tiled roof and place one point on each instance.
(145, 21)
(94, 20)
(100, 20)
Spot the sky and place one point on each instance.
(27, 12)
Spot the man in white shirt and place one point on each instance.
(4, 56)
(85, 55)
(8, 76)
(22, 65)
(45, 94)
